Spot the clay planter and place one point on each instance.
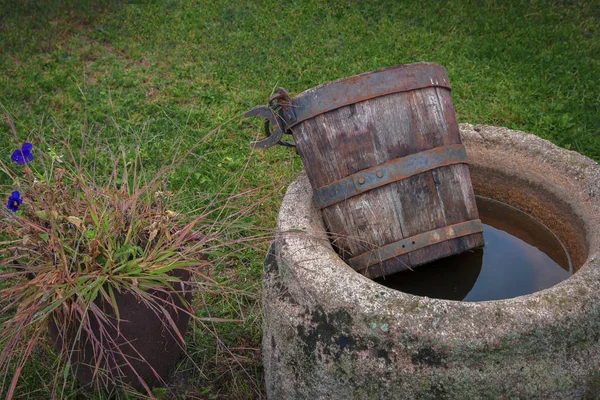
(140, 341)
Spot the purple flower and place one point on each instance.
(14, 201)
(23, 155)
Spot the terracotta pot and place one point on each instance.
(141, 345)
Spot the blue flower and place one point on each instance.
(14, 201)
(23, 155)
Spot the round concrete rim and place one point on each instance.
(302, 246)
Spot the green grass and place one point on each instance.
(164, 73)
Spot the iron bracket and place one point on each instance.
(277, 118)
(415, 242)
(391, 171)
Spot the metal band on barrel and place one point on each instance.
(391, 171)
(352, 90)
(413, 243)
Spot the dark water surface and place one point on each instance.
(521, 256)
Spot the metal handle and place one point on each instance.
(278, 103)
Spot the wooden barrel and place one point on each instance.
(383, 153)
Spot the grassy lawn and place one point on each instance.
(162, 75)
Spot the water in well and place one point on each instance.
(521, 256)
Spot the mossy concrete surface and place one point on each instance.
(330, 333)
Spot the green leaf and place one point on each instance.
(125, 250)
(174, 265)
(159, 393)
(131, 265)
(163, 257)
(94, 218)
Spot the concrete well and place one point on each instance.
(330, 333)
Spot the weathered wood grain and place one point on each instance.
(362, 135)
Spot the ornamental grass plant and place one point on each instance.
(72, 242)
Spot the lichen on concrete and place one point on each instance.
(332, 333)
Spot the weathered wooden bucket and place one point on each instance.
(383, 153)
